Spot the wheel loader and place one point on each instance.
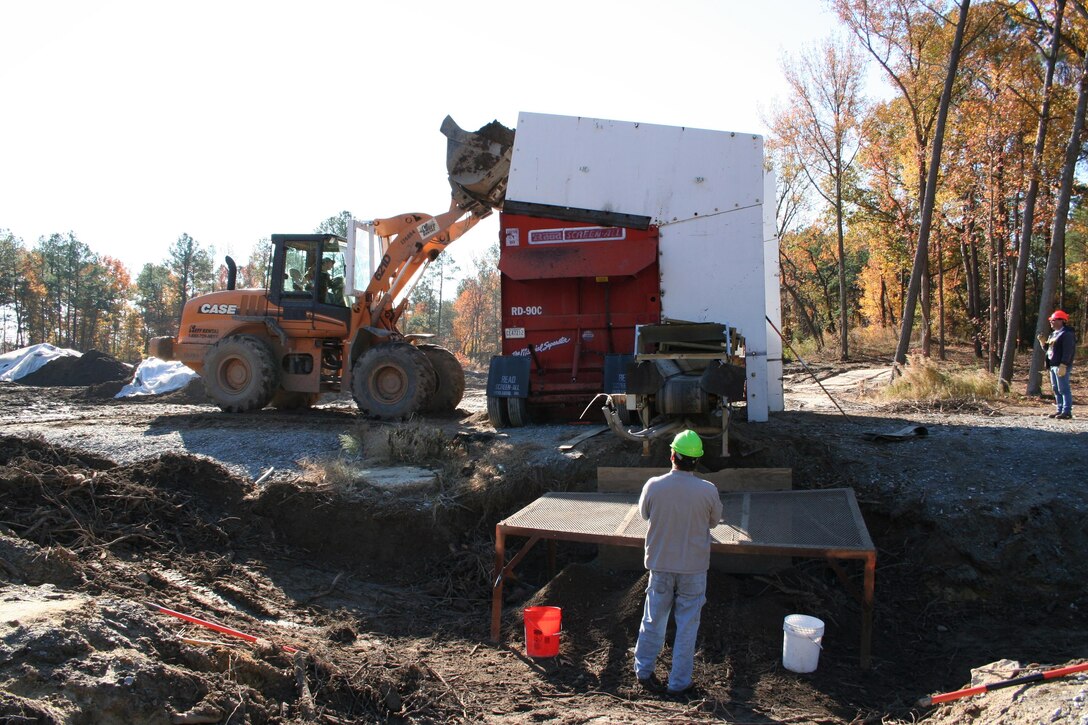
(328, 321)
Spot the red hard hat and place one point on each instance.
(1059, 315)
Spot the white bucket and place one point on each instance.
(801, 642)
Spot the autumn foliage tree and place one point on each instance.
(821, 124)
(996, 248)
(476, 326)
(431, 303)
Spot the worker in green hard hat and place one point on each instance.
(681, 509)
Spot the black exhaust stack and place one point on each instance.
(232, 273)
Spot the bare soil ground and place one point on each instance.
(372, 605)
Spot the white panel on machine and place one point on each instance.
(774, 299)
(667, 173)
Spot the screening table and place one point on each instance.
(821, 524)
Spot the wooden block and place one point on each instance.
(584, 435)
(628, 480)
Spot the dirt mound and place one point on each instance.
(104, 391)
(51, 499)
(84, 550)
(208, 481)
(13, 448)
(193, 393)
(91, 368)
(124, 664)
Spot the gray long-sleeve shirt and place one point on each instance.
(681, 510)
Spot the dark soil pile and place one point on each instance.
(91, 368)
(193, 394)
(59, 498)
(87, 547)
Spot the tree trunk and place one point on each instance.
(844, 339)
(1055, 261)
(806, 319)
(921, 254)
(883, 302)
(1002, 297)
(927, 308)
(977, 298)
(940, 297)
(1016, 304)
(969, 254)
(825, 290)
(991, 342)
(924, 292)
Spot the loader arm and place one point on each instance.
(413, 242)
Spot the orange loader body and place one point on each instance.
(301, 337)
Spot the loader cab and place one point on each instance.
(308, 272)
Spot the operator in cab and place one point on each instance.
(330, 290)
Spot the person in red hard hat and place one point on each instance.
(681, 509)
(1060, 347)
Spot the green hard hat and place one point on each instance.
(688, 443)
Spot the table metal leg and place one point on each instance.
(496, 586)
(867, 611)
(502, 569)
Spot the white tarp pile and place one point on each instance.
(152, 377)
(24, 361)
(155, 377)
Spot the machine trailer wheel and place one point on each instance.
(240, 373)
(496, 412)
(518, 411)
(392, 381)
(449, 379)
(293, 400)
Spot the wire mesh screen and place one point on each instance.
(796, 518)
(576, 513)
(824, 519)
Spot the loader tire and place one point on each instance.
(449, 379)
(517, 409)
(293, 400)
(392, 381)
(496, 412)
(240, 373)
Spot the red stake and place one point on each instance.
(969, 691)
(213, 625)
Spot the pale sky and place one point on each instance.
(130, 123)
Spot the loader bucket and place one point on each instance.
(478, 164)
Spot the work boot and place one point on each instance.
(1064, 416)
(1053, 415)
(682, 695)
(651, 683)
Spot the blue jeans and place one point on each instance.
(684, 595)
(1063, 396)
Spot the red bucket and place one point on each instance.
(542, 627)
